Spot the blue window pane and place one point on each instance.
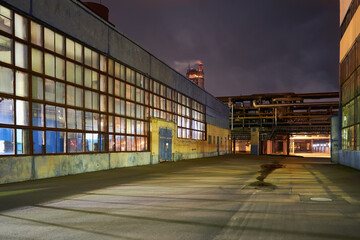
(7, 140)
(61, 142)
(7, 110)
(50, 142)
(38, 141)
(80, 142)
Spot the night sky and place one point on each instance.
(247, 46)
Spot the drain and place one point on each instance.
(320, 199)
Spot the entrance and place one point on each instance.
(165, 145)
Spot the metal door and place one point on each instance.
(165, 144)
(217, 142)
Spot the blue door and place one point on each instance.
(217, 142)
(165, 144)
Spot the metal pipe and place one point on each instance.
(293, 104)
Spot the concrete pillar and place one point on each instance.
(285, 147)
(255, 141)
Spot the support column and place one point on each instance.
(255, 141)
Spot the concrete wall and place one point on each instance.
(74, 19)
(350, 158)
(16, 169)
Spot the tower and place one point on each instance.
(196, 76)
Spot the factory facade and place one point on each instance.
(77, 96)
(349, 122)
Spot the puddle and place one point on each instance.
(266, 169)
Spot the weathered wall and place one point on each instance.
(186, 148)
(16, 169)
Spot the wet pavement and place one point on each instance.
(227, 197)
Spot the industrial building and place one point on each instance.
(348, 126)
(76, 95)
(282, 123)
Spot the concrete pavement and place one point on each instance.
(212, 198)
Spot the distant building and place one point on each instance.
(196, 76)
(348, 126)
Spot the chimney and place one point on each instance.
(99, 9)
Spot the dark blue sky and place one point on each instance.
(247, 46)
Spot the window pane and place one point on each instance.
(110, 85)
(7, 111)
(80, 143)
(87, 77)
(95, 59)
(22, 84)
(130, 143)
(22, 141)
(117, 87)
(49, 65)
(70, 71)
(130, 126)
(87, 55)
(60, 142)
(36, 33)
(111, 143)
(71, 119)
(70, 48)
(96, 121)
(50, 116)
(102, 63)
(59, 44)
(89, 147)
(95, 101)
(103, 123)
(5, 19)
(37, 114)
(50, 142)
(36, 60)
(60, 117)
(117, 70)
(22, 112)
(103, 83)
(49, 39)
(111, 105)
(111, 67)
(60, 92)
(6, 50)
(49, 90)
(79, 97)
(88, 121)
(103, 103)
(60, 68)
(95, 80)
(111, 123)
(7, 80)
(88, 97)
(71, 141)
(37, 88)
(21, 55)
(38, 142)
(7, 141)
(70, 95)
(20, 27)
(79, 74)
(78, 52)
(79, 119)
